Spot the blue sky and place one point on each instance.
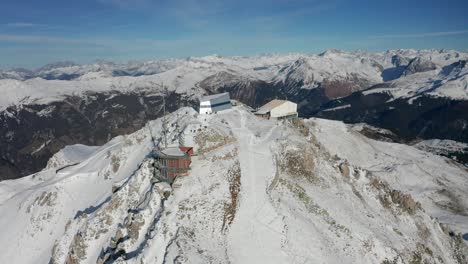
(33, 33)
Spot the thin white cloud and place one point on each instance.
(20, 24)
(422, 35)
(200, 14)
(41, 39)
(126, 3)
(110, 42)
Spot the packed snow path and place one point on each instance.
(257, 232)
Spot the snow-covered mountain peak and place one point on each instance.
(399, 60)
(258, 191)
(311, 71)
(332, 53)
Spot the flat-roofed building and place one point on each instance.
(215, 103)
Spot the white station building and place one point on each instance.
(278, 109)
(215, 103)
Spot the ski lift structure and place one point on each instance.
(173, 161)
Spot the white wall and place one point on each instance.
(205, 103)
(205, 110)
(285, 109)
(206, 106)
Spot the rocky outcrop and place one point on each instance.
(419, 64)
(454, 68)
(248, 91)
(399, 60)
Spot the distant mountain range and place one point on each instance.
(417, 94)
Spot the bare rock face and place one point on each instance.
(249, 91)
(399, 60)
(340, 88)
(298, 161)
(344, 169)
(419, 64)
(454, 68)
(390, 197)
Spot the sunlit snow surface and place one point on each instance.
(260, 191)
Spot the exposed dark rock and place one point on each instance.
(251, 92)
(378, 133)
(454, 68)
(340, 88)
(424, 117)
(419, 64)
(61, 76)
(399, 60)
(255, 93)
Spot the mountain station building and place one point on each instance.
(215, 103)
(172, 162)
(279, 109)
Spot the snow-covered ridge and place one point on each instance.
(306, 71)
(449, 81)
(259, 191)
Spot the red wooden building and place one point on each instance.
(173, 161)
(188, 150)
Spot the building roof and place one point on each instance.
(171, 152)
(213, 96)
(269, 106)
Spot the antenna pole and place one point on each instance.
(164, 115)
(164, 99)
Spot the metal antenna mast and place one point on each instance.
(164, 126)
